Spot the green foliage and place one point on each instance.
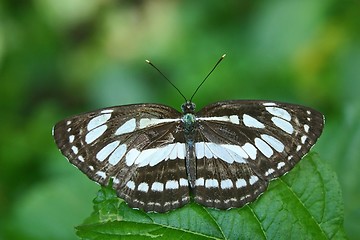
(304, 204)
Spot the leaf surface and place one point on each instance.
(306, 203)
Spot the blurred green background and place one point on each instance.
(60, 58)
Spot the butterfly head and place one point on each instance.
(188, 107)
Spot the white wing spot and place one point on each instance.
(240, 183)
(269, 104)
(306, 128)
(117, 155)
(211, 183)
(283, 124)
(81, 158)
(303, 139)
(143, 187)
(115, 180)
(68, 122)
(178, 151)
(75, 150)
(69, 129)
(107, 150)
(91, 168)
(95, 134)
(181, 151)
(148, 122)
(273, 142)
(226, 184)
(236, 152)
(298, 148)
(131, 184)
(249, 121)
(98, 120)
(107, 111)
(226, 152)
(280, 165)
(131, 156)
(101, 174)
(71, 138)
(263, 147)
(253, 179)
(172, 184)
(250, 150)
(290, 157)
(183, 182)
(234, 119)
(308, 112)
(128, 127)
(157, 187)
(199, 182)
(279, 112)
(270, 171)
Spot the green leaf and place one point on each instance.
(304, 204)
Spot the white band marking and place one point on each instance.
(172, 184)
(95, 134)
(226, 152)
(249, 121)
(148, 122)
(226, 184)
(127, 127)
(283, 124)
(269, 104)
(98, 120)
(253, 179)
(240, 183)
(143, 187)
(107, 150)
(183, 182)
(131, 184)
(273, 142)
(199, 182)
(211, 183)
(117, 155)
(279, 112)
(250, 150)
(107, 111)
(233, 119)
(157, 187)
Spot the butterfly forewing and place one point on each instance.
(241, 145)
(140, 147)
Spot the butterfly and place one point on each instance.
(158, 159)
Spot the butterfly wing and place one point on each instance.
(242, 145)
(140, 147)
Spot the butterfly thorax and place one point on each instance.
(189, 127)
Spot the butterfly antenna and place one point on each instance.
(166, 78)
(221, 58)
